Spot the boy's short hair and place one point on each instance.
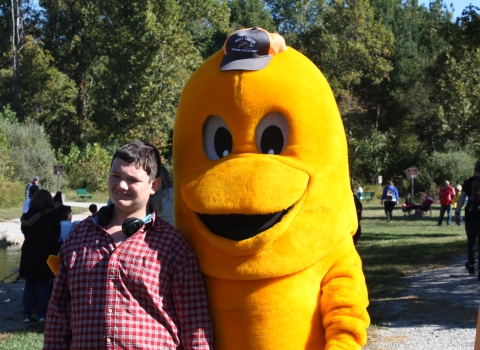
(142, 153)
(92, 208)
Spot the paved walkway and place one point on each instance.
(11, 229)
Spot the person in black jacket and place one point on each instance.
(358, 207)
(41, 228)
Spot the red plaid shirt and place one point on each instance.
(147, 293)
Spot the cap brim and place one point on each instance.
(235, 63)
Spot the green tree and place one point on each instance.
(87, 168)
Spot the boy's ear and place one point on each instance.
(156, 185)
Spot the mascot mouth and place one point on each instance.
(238, 227)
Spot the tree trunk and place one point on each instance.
(17, 43)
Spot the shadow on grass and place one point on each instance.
(383, 237)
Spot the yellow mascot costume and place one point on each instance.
(262, 193)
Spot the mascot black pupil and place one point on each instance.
(223, 142)
(272, 140)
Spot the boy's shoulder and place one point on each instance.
(170, 236)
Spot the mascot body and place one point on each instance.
(262, 192)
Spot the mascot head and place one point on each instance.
(260, 161)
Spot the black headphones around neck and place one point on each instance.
(129, 227)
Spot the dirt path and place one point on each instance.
(438, 309)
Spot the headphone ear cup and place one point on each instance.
(105, 214)
(132, 225)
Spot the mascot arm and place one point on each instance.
(344, 301)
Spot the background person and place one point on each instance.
(93, 209)
(41, 228)
(471, 188)
(35, 181)
(389, 199)
(447, 193)
(162, 200)
(57, 199)
(455, 201)
(358, 207)
(26, 205)
(147, 280)
(359, 192)
(65, 214)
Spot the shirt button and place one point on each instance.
(112, 284)
(110, 311)
(108, 340)
(106, 234)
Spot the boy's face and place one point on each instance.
(129, 186)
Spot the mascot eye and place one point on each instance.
(217, 139)
(272, 133)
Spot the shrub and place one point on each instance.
(12, 194)
(87, 168)
(6, 165)
(455, 166)
(30, 152)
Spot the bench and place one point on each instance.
(83, 194)
(368, 196)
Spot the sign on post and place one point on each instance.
(58, 170)
(380, 180)
(412, 173)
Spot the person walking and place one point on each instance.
(389, 199)
(471, 188)
(35, 181)
(447, 193)
(41, 227)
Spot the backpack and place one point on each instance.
(474, 198)
(389, 195)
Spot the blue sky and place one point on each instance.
(459, 5)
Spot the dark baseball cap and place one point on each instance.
(251, 49)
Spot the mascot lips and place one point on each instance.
(238, 227)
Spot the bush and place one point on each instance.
(30, 152)
(455, 166)
(6, 165)
(87, 168)
(12, 194)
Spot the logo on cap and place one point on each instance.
(251, 49)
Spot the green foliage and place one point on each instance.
(6, 165)
(46, 95)
(369, 156)
(454, 166)
(87, 168)
(30, 152)
(12, 195)
(250, 13)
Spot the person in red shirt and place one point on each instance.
(125, 282)
(447, 193)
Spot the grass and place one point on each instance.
(406, 245)
(389, 251)
(31, 338)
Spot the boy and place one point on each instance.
(113, 291)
